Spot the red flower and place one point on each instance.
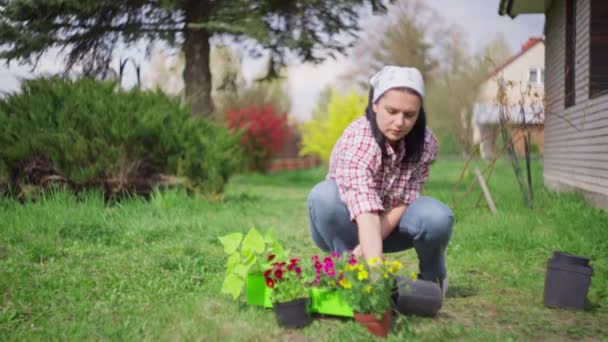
(269, 283)
(294, 261)
(298, 270)
(290, 267)
(267, 273)
(278, 274)
(271, 257)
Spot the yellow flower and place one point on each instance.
(350, 268)
(413, 275)
(373, 261)
(362, 275)
(385, 275)
(368, 289)
(395, 266)
(360, 268)
(345, 283)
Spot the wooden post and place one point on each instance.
(485, 189)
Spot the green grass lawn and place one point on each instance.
(75, 270)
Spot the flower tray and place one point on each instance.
(256, 291)
(329, 302)
(323, 301)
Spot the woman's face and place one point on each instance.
(396, 113)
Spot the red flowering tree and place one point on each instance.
(265, 132)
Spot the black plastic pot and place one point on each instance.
(567, 281)
(565, 258)
(293, 314)
(419, 298)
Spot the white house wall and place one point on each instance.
(517, 72)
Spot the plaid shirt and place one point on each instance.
(368, 185)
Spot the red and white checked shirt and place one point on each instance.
(365, 184)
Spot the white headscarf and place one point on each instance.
(393, 77)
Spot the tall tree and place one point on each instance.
(498, 50)
(230, 90)
(402, 37)
(91, 30)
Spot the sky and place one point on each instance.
(478, 18)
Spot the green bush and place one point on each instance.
(91, 130)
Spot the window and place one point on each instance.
(536, 76)
(570, 43)
(598, 50)
(533, 76)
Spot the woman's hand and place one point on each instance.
(358, 252)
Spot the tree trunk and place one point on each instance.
(197, 76)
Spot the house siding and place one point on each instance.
(576, 138)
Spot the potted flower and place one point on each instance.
(290, 293)
(367, 287)
(325, 299)
(248, 257)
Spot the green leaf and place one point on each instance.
(233, 260)
(277, 248)
(241, 270)
(250, 260)
(253, 242)
(269, 237)
(233, 285)
(231, 242)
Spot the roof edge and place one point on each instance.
(532, 42)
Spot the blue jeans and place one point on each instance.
(426, 225)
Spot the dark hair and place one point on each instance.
(414, 140)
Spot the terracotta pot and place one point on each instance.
(378, 327)
(293, 314)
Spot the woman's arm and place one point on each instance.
(388, 222)
(390, 219)
(370, 235)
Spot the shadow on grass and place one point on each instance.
(240, 198)
(462, 291)
(591, 306)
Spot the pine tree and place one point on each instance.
(91, 30)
